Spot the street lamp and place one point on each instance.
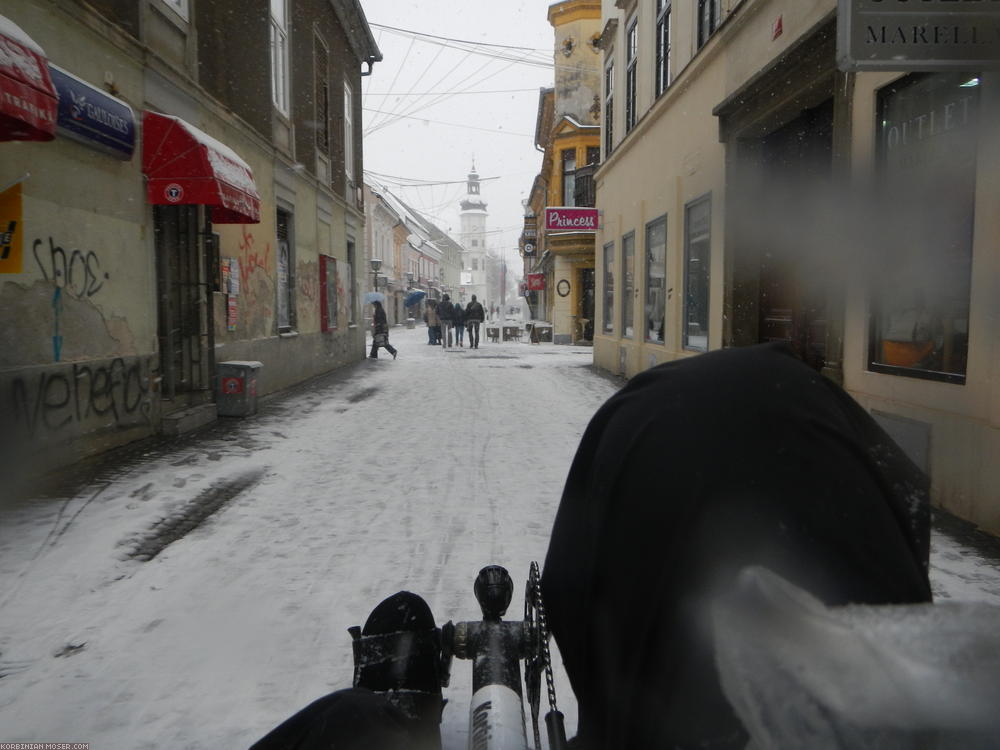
(409, 279)
(376, 264)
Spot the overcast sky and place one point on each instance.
(423, 122)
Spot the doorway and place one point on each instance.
(183, 314)
(796, 162)
(586, 310)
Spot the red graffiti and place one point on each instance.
(309, 288)
(252, 261)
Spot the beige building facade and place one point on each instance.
(751, 191)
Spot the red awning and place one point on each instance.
(28, 100)
(182, 164)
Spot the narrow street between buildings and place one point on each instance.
(193, 592)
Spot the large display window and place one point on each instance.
(926, 149)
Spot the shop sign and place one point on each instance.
(11, 230)
(536, 282)
(569, 219)
(95, 119)
(929, 36)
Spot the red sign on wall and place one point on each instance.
(570, 219)
(536, 282)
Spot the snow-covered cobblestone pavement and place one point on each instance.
(199, 592)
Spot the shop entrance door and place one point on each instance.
(184, 323)
(796, 161)
(586, 310)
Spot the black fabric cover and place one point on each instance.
(353, 719)
(692, 471)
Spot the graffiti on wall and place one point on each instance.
(52, 401)
(77, 272)
(252, 261)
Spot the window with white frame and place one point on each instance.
(709, 18)
(662, 45)
(569, 177)
(631, 60)
(180, 7)
(279, 55)
(348, 132)
(609, 107)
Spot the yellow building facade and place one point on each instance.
(568, 134)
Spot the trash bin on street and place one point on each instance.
(237, 388)
(411, 322)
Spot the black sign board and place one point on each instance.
(918, 35)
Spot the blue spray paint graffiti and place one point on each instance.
(57, 316)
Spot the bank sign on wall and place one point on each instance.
(568, 219)
(918, 35)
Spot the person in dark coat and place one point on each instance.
(380, 332)
(693, 471)
(474, 316)
(458, 322)
(446, 314)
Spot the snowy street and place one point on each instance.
(200, 593)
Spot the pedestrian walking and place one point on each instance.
(474, 316)
(433, 325)
(458, 321)
(446, 314)
(380, 332)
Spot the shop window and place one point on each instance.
(656, 279)
(569, 177)
(609, 107)
(697, 260)
(279, 56)
(662, 45)
(631, 64)
(609, 287)
(926, 151)
(286, 274)
(709, 18)
(628, 288)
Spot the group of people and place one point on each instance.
(445, 317)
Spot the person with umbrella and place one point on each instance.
(380, 332)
